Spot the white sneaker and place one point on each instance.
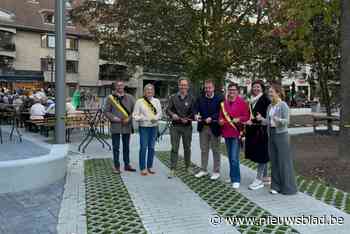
(228, 181)
(257, 184)
(215, 176)
(201, 174)
(274, 192)
(235, 185)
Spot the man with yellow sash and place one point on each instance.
(118, 109)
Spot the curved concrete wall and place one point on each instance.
(32, 173)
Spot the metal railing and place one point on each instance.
(7, 47)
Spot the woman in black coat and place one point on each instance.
(256, 140)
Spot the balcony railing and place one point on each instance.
(8, 47)
(7, 71)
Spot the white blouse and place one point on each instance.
(143, 114)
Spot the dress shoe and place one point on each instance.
(171, 174)
(129, 168)
(116, 170)
(150, 171)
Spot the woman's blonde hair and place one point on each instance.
(148, 86)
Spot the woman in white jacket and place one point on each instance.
(147, 112)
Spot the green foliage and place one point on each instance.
(204, 38)
(313, 28)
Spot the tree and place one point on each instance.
(344, 139)
(312, 27)
(204, 38)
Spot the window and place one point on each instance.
(113, 72)
(72, 44)
(48, 41)
(33, 1)
(69, 21)
(6, 15)
(6, 41)
(47, 65)
(49, 18)
(69, 4)
(72, 66)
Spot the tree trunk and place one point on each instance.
(344, 139)
(326, 99)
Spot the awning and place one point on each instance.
(22, 76)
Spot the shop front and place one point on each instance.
(24, 80)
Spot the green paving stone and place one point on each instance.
(218, 193)
(320, 192)
(109, 206)
(347, 206)
(312, 188)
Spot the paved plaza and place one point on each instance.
(15, 150)
(228, 117)
(33, 211)
(89, 201)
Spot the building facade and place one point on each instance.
(298, 79)
(164, 83)
(27, 54)
(27, 47)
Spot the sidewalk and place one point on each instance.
(170, 206)
(165, 206)
(278, 205)
(31, 212)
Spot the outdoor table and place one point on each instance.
(14, 126)
(13, 116)
(94, 118)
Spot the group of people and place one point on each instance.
(23, 100)
(262, 122)
(41, 103)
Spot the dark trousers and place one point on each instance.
(126, 148)
(282, 169)
(176, 133)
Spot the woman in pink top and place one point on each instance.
(234, 112)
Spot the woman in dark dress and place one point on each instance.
(256, 142)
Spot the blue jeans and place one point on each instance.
(233, 148)
(126, 149)
(148, 137)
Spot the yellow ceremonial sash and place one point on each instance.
(117, 105)
(149, 108)
(227, 116)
